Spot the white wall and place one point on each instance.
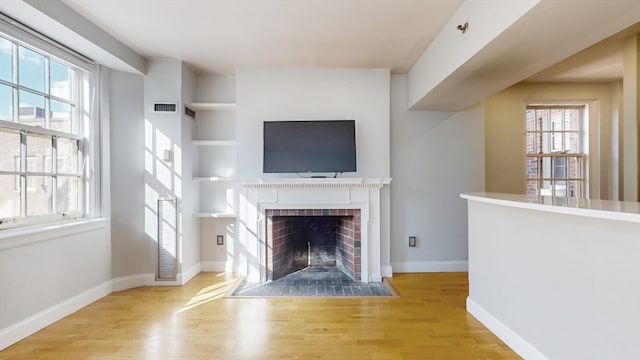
(435, 156)
(505, 127)
(184, 168)
(302, 94)
(162, 131)
(49, 272)
(127, 174)
(566, 288)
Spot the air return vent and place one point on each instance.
(165, 107)
(189, 112)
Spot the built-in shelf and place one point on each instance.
(215, 215)
(212, 179)
(212, 106)
(214, 142)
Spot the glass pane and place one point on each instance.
(532, 188)
(533, 143)
(9, 150)
(573, 168)
(31, 108)
(6, 103)
(547, 143)
(571, 117)
(560, 188)
(575, 189)
(40, 149)
(67, 156)
(530, 115)
(9, 196)
(67, 195)
(60, 76)
(532, 168)
(546, 167)
(6, 60)
(60, 116)
(556, 139)
(542, 120)
(571, 142)
(560, 164)
(30, 69)
(39, 199)
(545, 188)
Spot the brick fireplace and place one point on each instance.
(300, 238)
(280, 221)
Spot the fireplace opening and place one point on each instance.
(312, 238)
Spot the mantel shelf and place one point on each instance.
(214, 142)
(213, 179)
(212, 106)
(215, 215)
(316, 183)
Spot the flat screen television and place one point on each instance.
(315, 146)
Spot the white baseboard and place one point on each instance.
(190, 273)
(128, 282)
(431, 266)
(213, 266)
(46, 317)
(508, 336)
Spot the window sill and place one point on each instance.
(17, 237)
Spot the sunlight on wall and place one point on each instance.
(230, 196)
(150, 216)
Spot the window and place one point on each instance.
(555, 157)
(42, 118)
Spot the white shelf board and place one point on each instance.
(215, 215)
(214, 142)
(212, 106)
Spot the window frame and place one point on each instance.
(83, 126)
(581, 179)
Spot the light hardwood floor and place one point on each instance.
(195, 321)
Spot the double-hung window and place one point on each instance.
(555, 157)
(42, 135)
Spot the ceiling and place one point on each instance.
(218, 36)
(600, 62)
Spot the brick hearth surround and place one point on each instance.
(247, 250)
(280, 260)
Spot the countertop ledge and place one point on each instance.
(603, 209)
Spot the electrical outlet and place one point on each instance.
(220, 239)
(412, 241)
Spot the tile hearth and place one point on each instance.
(314, 281)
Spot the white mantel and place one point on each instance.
(247, 253)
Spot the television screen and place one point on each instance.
(309, 146)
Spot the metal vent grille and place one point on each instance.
(167, 239)
(165, 107)
(189, 112)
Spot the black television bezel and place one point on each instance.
(309, 171)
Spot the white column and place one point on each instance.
(629, 136)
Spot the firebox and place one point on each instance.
(301, 238)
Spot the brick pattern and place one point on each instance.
(332, 235)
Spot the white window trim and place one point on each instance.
(590, 133)
(88, 121)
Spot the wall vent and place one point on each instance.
(167, 239)
(165, 107)
(189, 112)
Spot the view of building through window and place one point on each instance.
(555, 159)
(39, 122)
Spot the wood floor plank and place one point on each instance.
(196, 321)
